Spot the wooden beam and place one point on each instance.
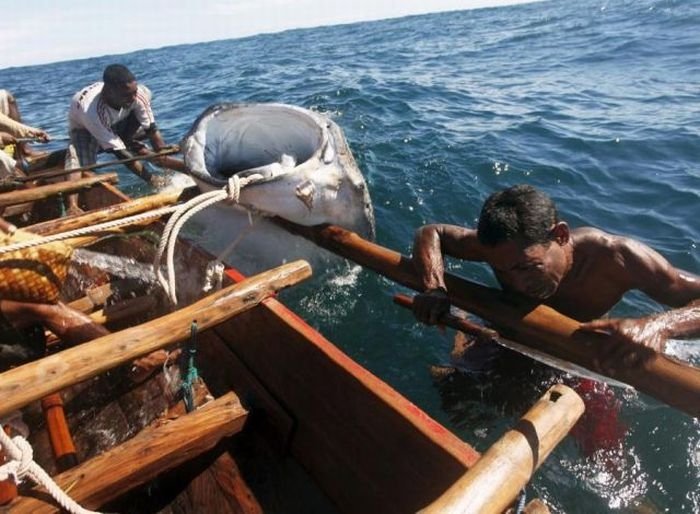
(110, 213)
(42, 192)
(35, 380)
(154, 450)
(523, 320)
(494, 482)
(61, 172)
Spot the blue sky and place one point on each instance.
(43, 31)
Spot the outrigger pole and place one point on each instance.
(519, 318)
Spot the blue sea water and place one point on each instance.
(596, 102)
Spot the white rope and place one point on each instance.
(21, 464)
(101, 227)
(184, 212)
(214, 274)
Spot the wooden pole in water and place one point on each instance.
(35, 380)
(493, 483)
(47, 191)
(516, 317)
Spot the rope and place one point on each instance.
(191, 374)
(230, 192)
(21, 464)
(101, 227)
(61, 205)
(522, 498)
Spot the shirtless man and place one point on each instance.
(581, 273)
(112, 116)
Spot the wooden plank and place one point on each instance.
(109, 213)
(494, 482)
(153, 451)
(227, 475)
(43, 192)
(35, 380)
(95, 297)
(527, 322)
(369, 448)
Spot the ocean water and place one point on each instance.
(596, 102)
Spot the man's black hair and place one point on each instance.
(519, 213)
(117, 75)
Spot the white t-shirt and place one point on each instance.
(90, 112)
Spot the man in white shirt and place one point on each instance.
(111, 116)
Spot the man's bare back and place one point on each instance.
(581, 273)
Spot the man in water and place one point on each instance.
(581, 273)
(112, 116)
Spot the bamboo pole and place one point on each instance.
(60, 173)
(463, 325)
(42, 192)
(494, 482)
(153, 451)
(523, 320)
(35, 380)
(110, 213)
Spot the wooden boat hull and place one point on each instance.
(366, 446)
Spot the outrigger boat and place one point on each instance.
(266, 415)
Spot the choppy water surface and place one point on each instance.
(596, 102)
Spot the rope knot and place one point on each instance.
(22, 457)
(233, 188)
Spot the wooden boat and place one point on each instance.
(286, 422)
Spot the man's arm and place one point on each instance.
(430, 245)
(651, 273)
(156, 138)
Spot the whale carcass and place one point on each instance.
(300, 168)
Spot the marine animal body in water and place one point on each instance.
(300, 168)
(306, 171)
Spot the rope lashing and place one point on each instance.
(61, 205)
(230, 192)
(191, 373)
(21, 464)
(522, 498)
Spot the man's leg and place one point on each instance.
(82, 151)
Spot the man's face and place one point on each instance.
(535, 271)
(121, 96)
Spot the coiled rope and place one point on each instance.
(184, 212)
(21, 464)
